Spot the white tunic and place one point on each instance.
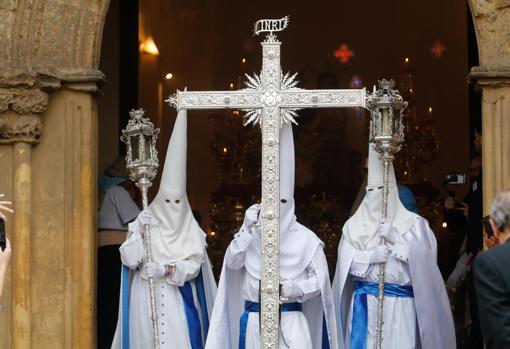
(424, 321)
(400, 324)
(172, 323)
(295, 332)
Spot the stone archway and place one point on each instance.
(48, 155)
(491, 20)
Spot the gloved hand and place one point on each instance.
(155, 270)
(143, 218)
(291, 290)
(251, 216)
(389, 233)
(378, 254)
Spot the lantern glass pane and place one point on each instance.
(147, 148)
(386, 124)
(135, 147)
(396, 120)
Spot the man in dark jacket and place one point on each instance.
(492, 278)
(468, 217)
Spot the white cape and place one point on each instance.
(229, 305)
(435, 321)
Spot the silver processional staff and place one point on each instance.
(140, 137)
(387, 133)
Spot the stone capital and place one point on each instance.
(16, 128)
(489, 76)
(23, 100)
(25, 94)
(48, 78)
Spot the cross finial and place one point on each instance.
(172, 100)
(270, 26)
(137, 113)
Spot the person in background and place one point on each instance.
(118, 208)
(5, 255)
(467, 216)
(465, 262)
(492, 278)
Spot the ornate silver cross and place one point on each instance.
(269, 99)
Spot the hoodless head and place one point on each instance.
(500, 216)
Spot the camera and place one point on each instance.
(454, 178)
(3, 240)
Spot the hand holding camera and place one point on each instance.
(452, 204)
(5, 206)
(5, 255)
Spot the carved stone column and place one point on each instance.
(20, 125)
(491, 20)
(53, 191)
(495, 87)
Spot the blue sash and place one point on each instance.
(359, 330)
(252, 307)
(192, 318)
(325, 334)
(199, 284)
(125, 307)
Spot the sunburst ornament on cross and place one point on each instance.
(269, 99)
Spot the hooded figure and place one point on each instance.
(306, 316)
(416, 308)
(184, 284)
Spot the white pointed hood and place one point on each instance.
(297, 243)
(361, 229)
(287, 175)
(175, 233)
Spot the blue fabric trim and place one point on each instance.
(325, 334)
(252, 307)
(125, 307)
(192, 318)
(202, 300)
(359, 330)
(359, 322)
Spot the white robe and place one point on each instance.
(424, 321)
(172, 322)
(299, 330)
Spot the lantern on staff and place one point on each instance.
(140, 137)
(387, 133)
